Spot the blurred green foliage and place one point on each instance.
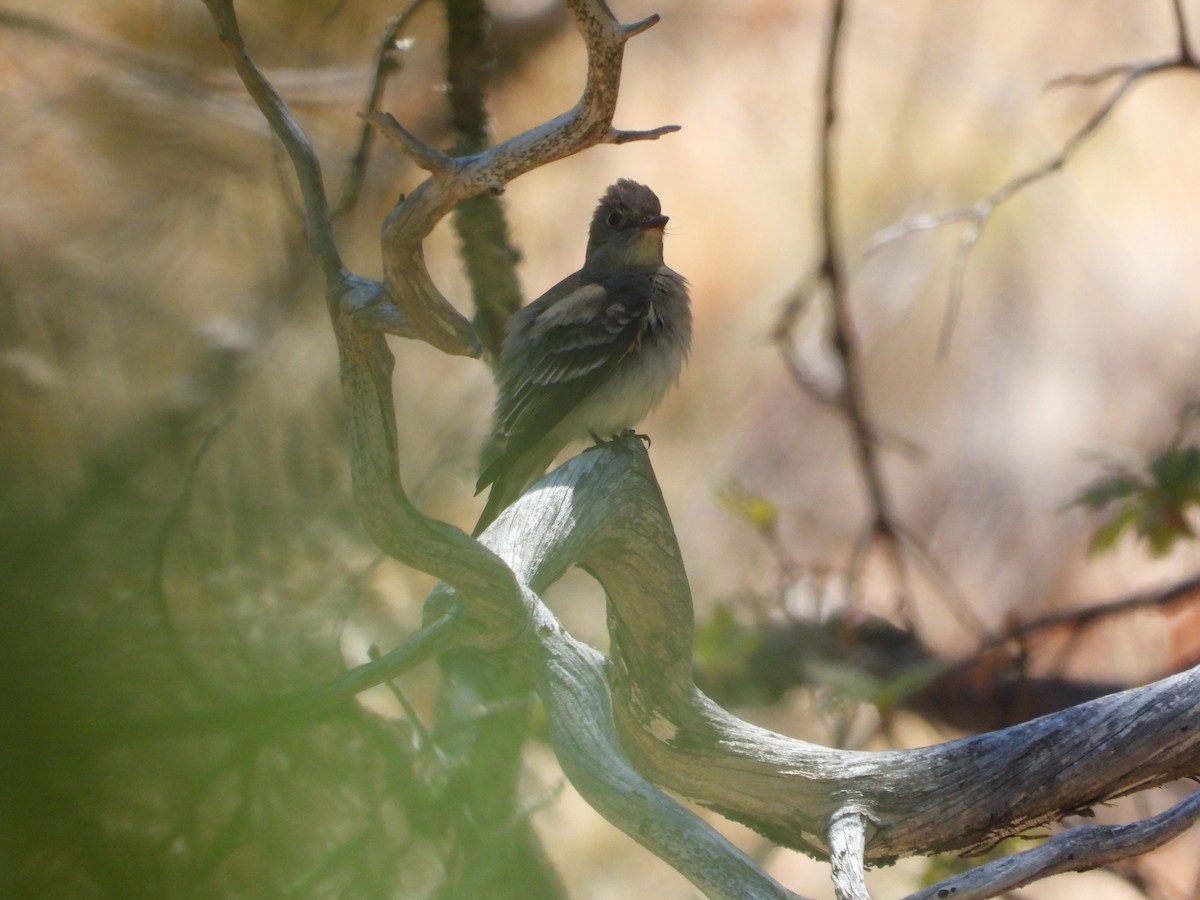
(1151, 498)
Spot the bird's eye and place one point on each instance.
(614, 220)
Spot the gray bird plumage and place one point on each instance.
(594, 354)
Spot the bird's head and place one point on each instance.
(627, 228)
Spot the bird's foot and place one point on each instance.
(602, 442)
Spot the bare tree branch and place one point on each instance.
(386, 62)
(847, 841)
(180, 653)
(1178, 592)
(831, 273)
(602, 511)
(290, 134)
(977, 215)
(303, 705)
(1077, 850)
(828, 278)
(438, 164)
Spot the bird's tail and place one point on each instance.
(500, 496)
(510, 476)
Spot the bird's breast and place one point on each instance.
(650, 369)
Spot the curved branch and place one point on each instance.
(588, 123)
(556, 524)
(952, 796)
(1082, 848)
(260, 716)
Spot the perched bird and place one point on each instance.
(594, 354)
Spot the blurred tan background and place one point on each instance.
(152, 276)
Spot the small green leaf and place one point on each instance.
(1176, 473)
(757, 510)
(1162, 522)
(1103, 491)
(1107, 534)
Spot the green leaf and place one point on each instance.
(1104, 491)
(1108, 533)
(1176, 473)
(1162, 522)
(757, 510)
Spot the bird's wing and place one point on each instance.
(558, 353)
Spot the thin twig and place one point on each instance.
(158, 593)
(1164, 597)
(272, 713)
(304, 159)
(1075, 850)
(438, 164)
(790, 315)
(942, 582)
(386, 62)
(977, 215)
(831, 274)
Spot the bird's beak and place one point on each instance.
(653, 222)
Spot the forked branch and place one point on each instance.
(453, 180)
(976, 216)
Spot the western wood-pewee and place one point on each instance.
(594, 354)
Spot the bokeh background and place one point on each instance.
(153, 278)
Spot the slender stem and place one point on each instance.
(832, 271)
(385, 65)
(317, 221)
(1181, 27)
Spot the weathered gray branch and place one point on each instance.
(586, 124)
(559, 524)
(847, 842)
(603, 511)
(1082, 848)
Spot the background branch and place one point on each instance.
(388, 60)
(829, 279)
(291, 135)
(977, 215)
